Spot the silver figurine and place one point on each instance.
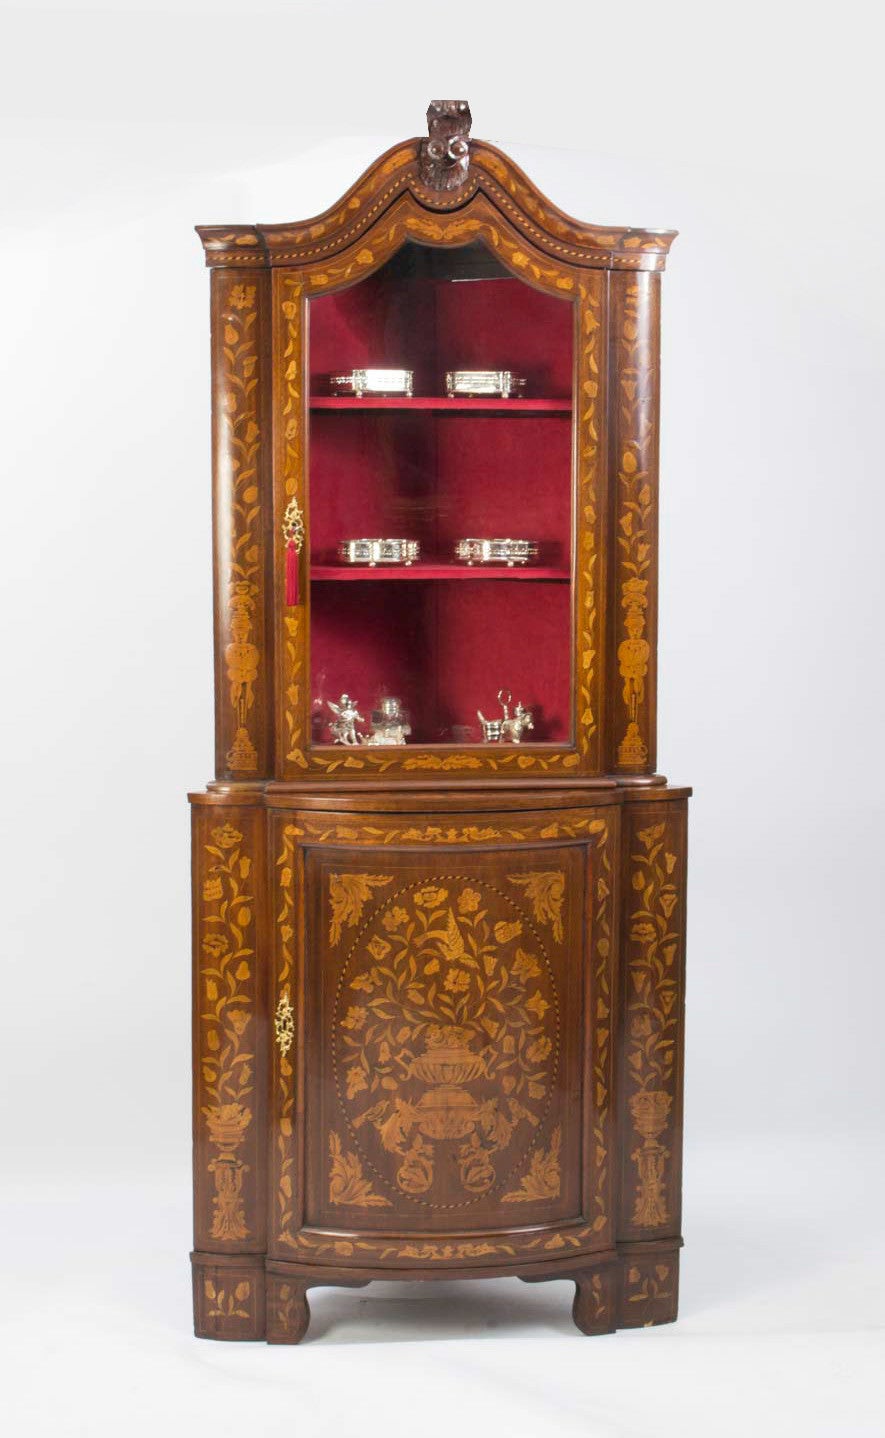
(347, 716)
(511, 727)
(390, 723)
(491, 728)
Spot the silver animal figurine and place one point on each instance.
(347, 716)
(511, 727)
(514, 728)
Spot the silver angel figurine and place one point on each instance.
(347, 716)
(511, 727)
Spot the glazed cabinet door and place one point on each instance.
(443, 1062)
(427, 642)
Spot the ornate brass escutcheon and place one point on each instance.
(284, 1023)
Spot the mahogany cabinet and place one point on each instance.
(437, 984)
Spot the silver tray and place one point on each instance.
(379, 551)
(496, 551)
(373, 381)
(495, 382)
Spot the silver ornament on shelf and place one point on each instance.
(347, 716)
(511, 727)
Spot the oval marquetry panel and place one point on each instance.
(446, 1041)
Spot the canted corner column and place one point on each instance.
(652, 1012)
(242, 510)
(229, 1101)
(633, 574)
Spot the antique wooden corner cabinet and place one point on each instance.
(438, 984)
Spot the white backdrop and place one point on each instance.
(756, 134)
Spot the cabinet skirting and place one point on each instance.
(254, 1298)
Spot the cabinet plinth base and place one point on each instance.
(229, 1296)
(246, 1297)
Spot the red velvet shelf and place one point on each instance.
(443, 405)
(438, 571)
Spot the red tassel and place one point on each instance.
(291, 574)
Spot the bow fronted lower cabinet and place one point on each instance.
(439, 886)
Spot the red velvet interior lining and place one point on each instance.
(443, 647)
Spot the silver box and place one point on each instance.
(373, 381)
(379, 551)
(496, 551)
(477, 382)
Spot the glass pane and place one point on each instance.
(442, 635)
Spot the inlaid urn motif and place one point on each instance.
(447, 1110)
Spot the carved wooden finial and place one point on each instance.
(444, 158)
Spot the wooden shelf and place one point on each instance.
(438, 571)
(441, 405)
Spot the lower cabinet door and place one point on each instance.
(442, 1079)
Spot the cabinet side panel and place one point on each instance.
(653, 995)
(633, 605)
(242, 512)
(229, 1022)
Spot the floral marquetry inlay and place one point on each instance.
(445, 1022)
(227, 1038)
(649, 1290)
(284, 1071)
(565, 825)
(447, 1043)
(438, 987)
(546, 894)
(347, 1183)
(652, 1016)
(374, 1250)
(227, 1302)
(418, 167)
(590, 401)
(238, 450)
(635, 431)
(348, 894)
(544, 1178)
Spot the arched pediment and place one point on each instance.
(446, 172)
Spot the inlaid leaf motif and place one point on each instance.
(348, 894)
(546, 893)
(543, 1178)
(346, 1181)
